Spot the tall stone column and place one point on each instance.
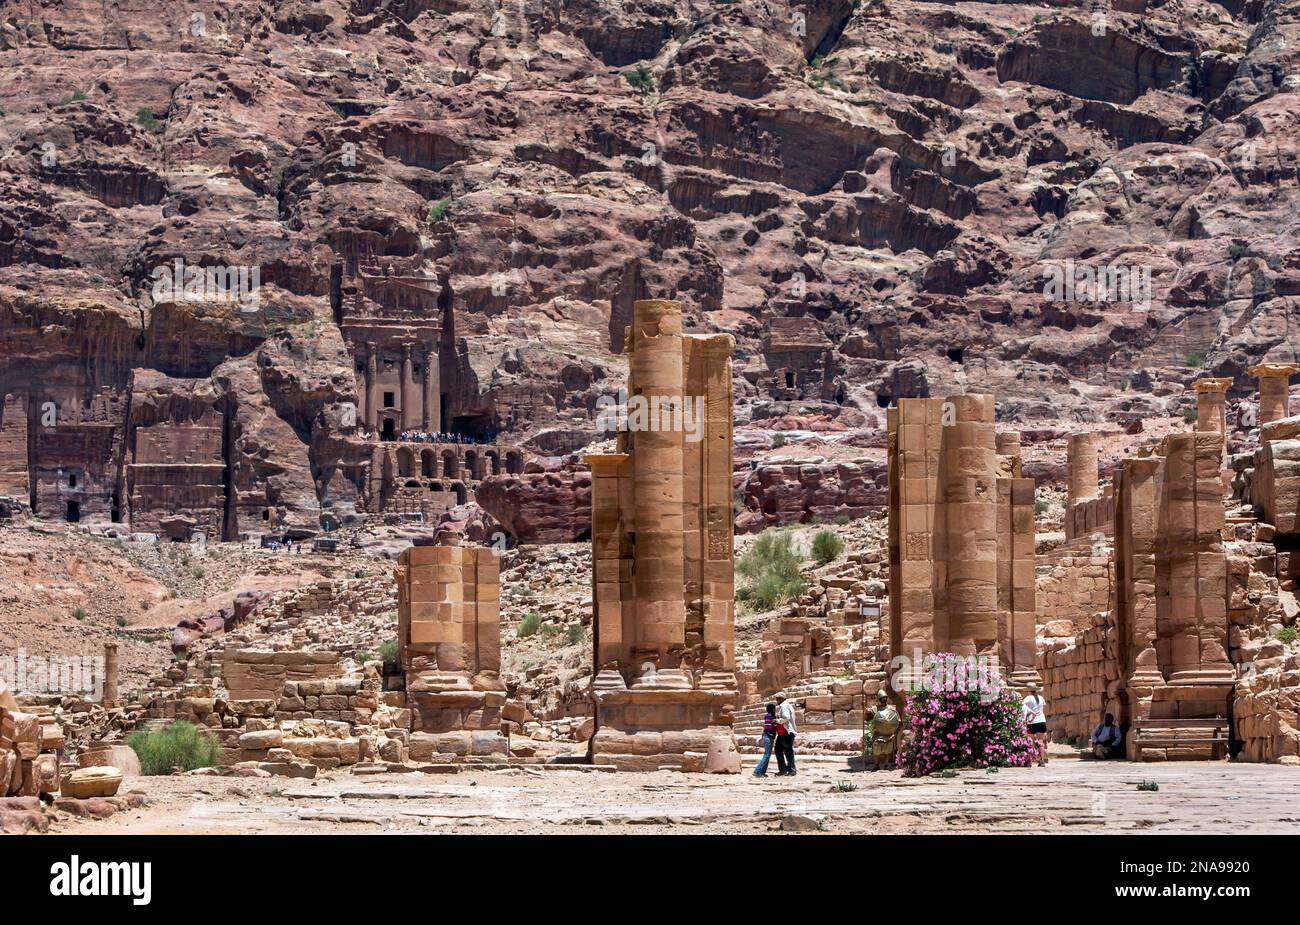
(1191, 565)
(431, 419)
(917, 547)
(372, 385)
(407, 383)
(110, 698)
(658, 571)
(969, 484)
(1137, 508)
(1211, 417)
(1081, 461)
(1274, 389)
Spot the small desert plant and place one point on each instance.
(843, 786)
(1287, 634)
(76, 97)
(551, 629)
(1040, 507)
(121, 621)
(197, 572)
(778, 440)
(1195, 360)
(145, 119)
(1149, 785)
(177, 745)
(438, 211)
(360, 573)
(948, 772)
(640, 79)
(364, 656)
(575, 634)
(771, 571)
(79, 613)
(529, 625)
(388, 651)
(826, 547)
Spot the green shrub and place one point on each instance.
(79, 613)
(1149, 785)
(1189, 415)
(438, 211)
(197, 572)
(1287, 634)
(826, 547)
(364, 656)
(121, 621)
(575, 634)
(177, 745)
(76, 97)
(778, 440)
(551, 629)
(145, 119)
(771, 571)
(640, 79)
(529, 625)
(1040, 507)
(388, 651)
(1195, 360)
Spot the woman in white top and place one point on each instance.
(1034, 709)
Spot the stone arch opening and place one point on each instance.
(514, 462)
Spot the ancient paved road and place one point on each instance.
(1067, 796)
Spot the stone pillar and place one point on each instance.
(407, 383)
(969, 485)
(917, 547)
(372, 385)
(664, 681)
(1017, 586)
(658, 571)
(1008, 443)
(1191, 567)
(1274, 389)
(1081, 462)
(1211, 416)
(448, 615)
(1136, 523)
(110, 698)
(431, 419)
(14, 478)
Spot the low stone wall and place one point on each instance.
(1075, 678)
(1096, 515)
(259, 674)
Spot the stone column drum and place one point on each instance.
(1274, 389)
(1081, 462)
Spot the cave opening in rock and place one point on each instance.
(474, 426)
(957, 354)
(115, 508)
(390, 430)
(73, 514)
(883, 399)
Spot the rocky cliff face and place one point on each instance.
(1077, 209)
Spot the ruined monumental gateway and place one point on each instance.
(961, 537)
(665, 683)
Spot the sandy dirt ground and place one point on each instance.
(1067, 796)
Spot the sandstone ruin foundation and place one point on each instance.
(961, 537)
(449, 628)
(662, 580)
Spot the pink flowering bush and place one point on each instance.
(963, 717)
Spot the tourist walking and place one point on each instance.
(785, 730)
(1034, 708)
(769, 740)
